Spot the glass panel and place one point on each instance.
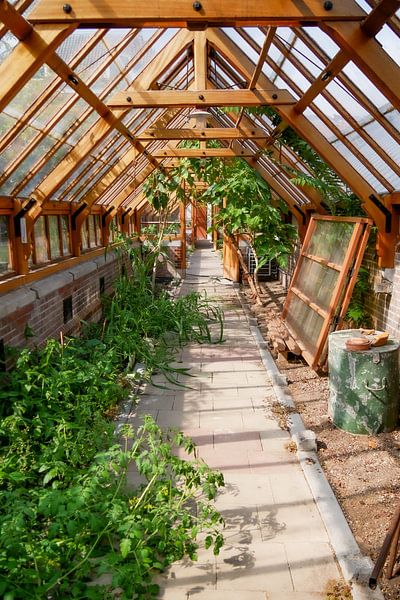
(390, 42)
(74, 42)
(84, 235)
(365, 85)
(54, 237)
(330, 240)
(92, 235)
(45, 170)
(5, 253)
(65, 234)
(97, 228)
(17, 146)
(31, 91)
(7, 44)
(317, 282)
(305, 323)
(360, 167)
(41, 250)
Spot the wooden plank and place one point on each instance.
(209, 133)
(200, 98)
(181, 13)
(200, 152)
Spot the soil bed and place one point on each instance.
(364, 471)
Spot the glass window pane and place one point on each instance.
(84, 235)
(65, 235)
(92, 235)
(41, 250)
(305, 323)
(5, 251)
(54, 237)
(330, 240)
(97, 228)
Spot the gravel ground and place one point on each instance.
(364, 471)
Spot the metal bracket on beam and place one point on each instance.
(385, 211)
(124, 215)
(75, 215)
(20, 214)
(303, 216)
(105, 215)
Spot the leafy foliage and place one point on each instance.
(71, 527)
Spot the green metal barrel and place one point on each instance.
(363, 386)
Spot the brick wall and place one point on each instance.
(42, 308)
(384, 303)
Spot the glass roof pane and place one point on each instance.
(332, 114)
(393, 116)
(342, 95)
(366, 86)
(308, 59)
(7, 44)
(319, 124)
(51, 163)
(390, 42)
(26, 166)
(384, 139)
(294, 74)
(360, 167)
(40, 81)
(74, 43)
(6, 123)
(327, 45)
(374, 159)
(17, 146)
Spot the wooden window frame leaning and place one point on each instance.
(341, 294)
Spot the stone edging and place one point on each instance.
(356, 568)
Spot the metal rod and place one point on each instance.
(380, 561)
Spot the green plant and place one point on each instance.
(69, 516)
(357, 314)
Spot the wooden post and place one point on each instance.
(183, 234)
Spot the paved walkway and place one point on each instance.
(276, 546)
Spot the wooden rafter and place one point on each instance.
(203, 98)
(209, 133)
(169, 152)
(180, 13)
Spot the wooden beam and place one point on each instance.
(369, 56)
(168, 152)
(203, 98)
(181, 13)
(380, 14)
(209, 133)
(333, 68)
(200, 60)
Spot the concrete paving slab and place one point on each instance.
(311, 565)
(262, 567)
(275, 540)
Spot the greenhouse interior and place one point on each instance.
(200, 300)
